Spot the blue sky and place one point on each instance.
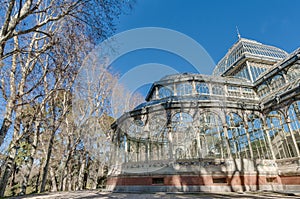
(213, 24)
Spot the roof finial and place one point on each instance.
(238, 32)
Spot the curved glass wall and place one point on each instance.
(248, 93)
(211, 136)
(238, 140)
(279, 134)
(204, 89)
(175, 124)
(158, 127)
(259, 141)
(202, 135)
(294, 116)
(183, 135)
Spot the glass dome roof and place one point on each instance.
(246, 47)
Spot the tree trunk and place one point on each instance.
(81, 171)
(72, 178)
(95, 177)
(5, 125)
(100, 172)
(8, 170)
(53, 180)
(46, 166)
(13, 179)
(37, 183)
(65, 180)
(64, 170)
(71, 184)
(11, 156)
(11, 100)
(30, 161)
(50, 146)
(98, 167)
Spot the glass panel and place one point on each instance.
(202, 88)
(277, 82)
(212, 140)
(183, 135)
(184, 89)
(239, 144)
(136, 129)
(158, 127)
(164, 92)
(278, 134)
(259, 142)
(263, 90)
(294, 115)
(233, 91)
(293, 73)
(218, 90)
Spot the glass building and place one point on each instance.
(235, 130)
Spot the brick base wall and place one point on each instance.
(203, 183)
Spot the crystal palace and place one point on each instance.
(235, 130)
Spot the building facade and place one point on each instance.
(235, 130)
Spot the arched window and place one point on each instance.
(211, 136)
(194, 148)
(179, 153)
(218, 90)
(184, 89)
(238, 140)
(182, 133)
(154, 150)
(132, 150)
(202, 88)
(158, 127)
(142, 152)
(164, 92)
(259, 143)
(181, 121)
(136, 129)
(294, 115)
(278, 132)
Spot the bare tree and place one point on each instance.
(42, 45)
(39, 24)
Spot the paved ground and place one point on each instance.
(108, 195)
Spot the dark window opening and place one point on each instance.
(271, 179)
(219, 180)
(157, 180)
